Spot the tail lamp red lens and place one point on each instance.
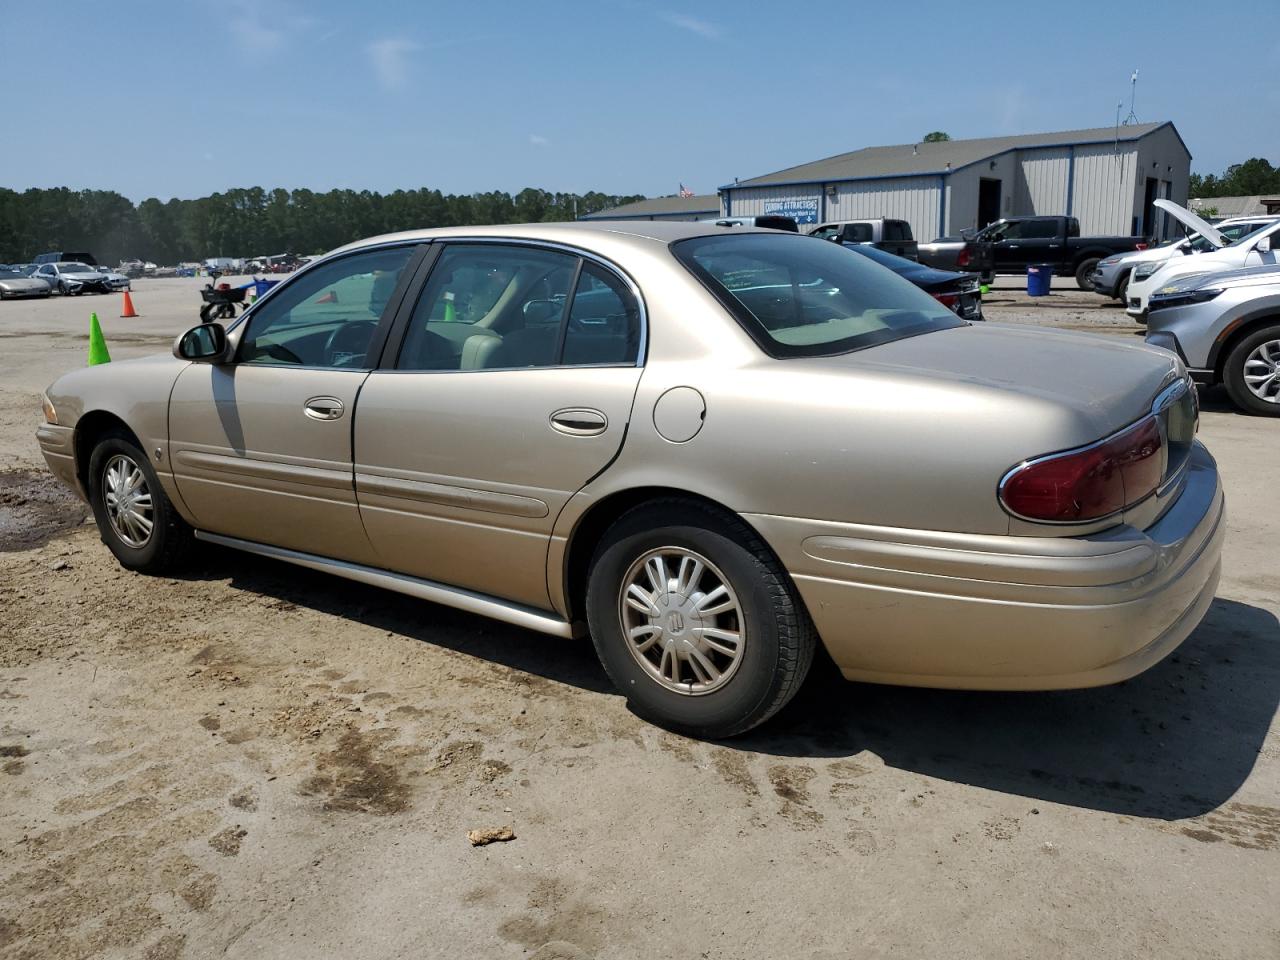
(1092, 482)
(1140, 246)
(963, 259)
(948, 300)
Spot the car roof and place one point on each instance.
(581, 233)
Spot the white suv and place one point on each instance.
(1252, 250)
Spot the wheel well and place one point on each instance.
(90, 428)
(1238, 334)
(591, 528)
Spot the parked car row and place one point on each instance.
(66, 278)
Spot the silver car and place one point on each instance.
(15, 284)
(1226, 328)
(71, 277)
(712, 448)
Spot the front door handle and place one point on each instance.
(579, 422)
(323, 408)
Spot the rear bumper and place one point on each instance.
(1008, 613)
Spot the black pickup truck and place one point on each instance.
(1017, 242)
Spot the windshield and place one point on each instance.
(804, 297)
(76, 268)
(1249, 237)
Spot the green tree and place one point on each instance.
(937, 136)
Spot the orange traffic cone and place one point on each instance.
(128, 306)
(330, 297)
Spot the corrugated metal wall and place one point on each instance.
(1103, 193)
(913, 199)
(1041, 185)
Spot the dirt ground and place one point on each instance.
(253, 760)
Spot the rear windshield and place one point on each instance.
(804, 297)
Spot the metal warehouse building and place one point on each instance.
(662, 208)
(1107, 177)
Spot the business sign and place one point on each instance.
(801, 211)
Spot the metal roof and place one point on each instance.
(660, 206)
(919, 159)
(1230, 206)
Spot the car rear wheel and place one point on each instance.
(1084, 270)
(1252, 372)
(135, 518)
(695, 621)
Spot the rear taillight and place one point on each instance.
(1089, 483)
(948, 300)
(963, 260)
(1140, 246)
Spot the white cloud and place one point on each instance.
(538, 140)
(390, 61)
(693, 25)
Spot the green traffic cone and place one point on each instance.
(97, 344)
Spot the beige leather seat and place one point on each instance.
(478, 350)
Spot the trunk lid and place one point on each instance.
(1102, 385)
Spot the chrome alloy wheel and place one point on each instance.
(681, 620)
(128, 501)
(1262, 371)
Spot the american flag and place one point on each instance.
(685, 191)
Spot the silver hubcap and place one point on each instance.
(1262, 371)
(128, 501)
(681, 620)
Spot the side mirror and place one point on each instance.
(1263, 245)
(206, 343)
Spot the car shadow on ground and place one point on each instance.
(571, 662)
(1174, 742)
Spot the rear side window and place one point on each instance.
(857, 233)
(897, 231)
(604, 322)
(800, 296)
(1039, 229)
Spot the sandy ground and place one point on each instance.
(256, 761)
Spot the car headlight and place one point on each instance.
(1109, 262)
(1183, 291)
(1144, 270)
(50, 414)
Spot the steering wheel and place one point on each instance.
(350, 338)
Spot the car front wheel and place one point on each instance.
(135, 518)
(695, 621)
(1084, 271)
(1252, 372)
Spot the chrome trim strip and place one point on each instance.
(265, 469)
(448, 495)
(459, 599)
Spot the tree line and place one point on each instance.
(1254, 176)
(254, 221)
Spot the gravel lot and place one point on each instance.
(258, 761)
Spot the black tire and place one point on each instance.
(169, 539)
(778, 637)
(1234, 370)
(1084, 269)
(1122, 288)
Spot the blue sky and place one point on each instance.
(182, 99)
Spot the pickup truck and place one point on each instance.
(1018, 242)
(891, 236)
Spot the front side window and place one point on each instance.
(328, 316)
(498, 306)
(798, 296)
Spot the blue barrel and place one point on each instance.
(1039, 279)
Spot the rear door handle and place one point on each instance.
(323, 408)
(579, 422)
